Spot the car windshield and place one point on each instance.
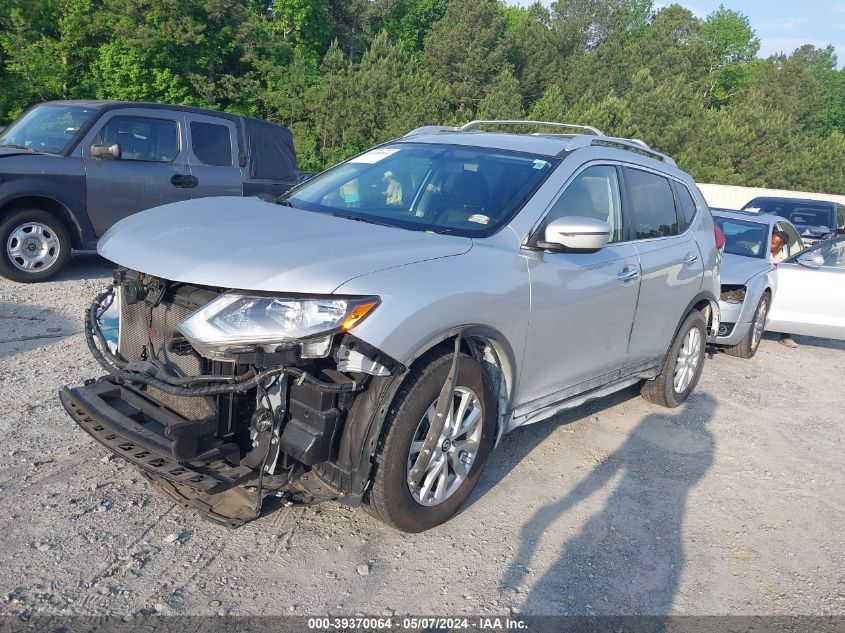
(459, 190)
(46, 128)
(797, 212)
(747, 239)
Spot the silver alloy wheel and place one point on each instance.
(688, 359)
(456, 449)
(33, 247)
(759, 324)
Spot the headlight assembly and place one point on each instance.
(238, 322)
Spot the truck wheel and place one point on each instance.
(747, 347)
(35, 245)
(683, 365)
(459, 456)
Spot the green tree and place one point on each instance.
(503, 100)
(731, 45)
(463, 49)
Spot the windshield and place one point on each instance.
(466, 191)
(748, 239)
(797, 212)
(45, 128)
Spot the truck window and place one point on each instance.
(141, 138)
(211, 144)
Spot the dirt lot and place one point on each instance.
(734, 504)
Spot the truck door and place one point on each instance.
(152, 168)
(213, 155)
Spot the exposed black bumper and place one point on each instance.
(154, 439)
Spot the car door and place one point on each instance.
(152, 169)
(670, 261)
(582, 304)
(213, 156)
(809, 300)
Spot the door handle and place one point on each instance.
(184, 181)
(691, 258)
(628, 274)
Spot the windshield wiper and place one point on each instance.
(358, 218)
(18, 146)
(285, 203)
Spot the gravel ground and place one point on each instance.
(733, 504)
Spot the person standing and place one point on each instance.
(779, 254)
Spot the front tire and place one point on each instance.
(683, 365)
(749, 344)
(35, 246)
(460, 454)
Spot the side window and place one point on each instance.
(840, 216)
(653, 212)
(593, 194)
(141, 138)
(211, 144)
(687, 203)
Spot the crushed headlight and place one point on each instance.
(733, 294)
(237, 322)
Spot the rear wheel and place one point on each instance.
(683, 365)
(35, 246)
(459, 456)
(747, 347)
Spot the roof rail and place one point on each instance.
(431, 129)
(630, 144)
(571, 126)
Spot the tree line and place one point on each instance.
(346, 74)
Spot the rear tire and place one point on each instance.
(683, 364)
(390, 498)
(34, 246)
(750, 343)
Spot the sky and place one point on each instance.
(781, 25)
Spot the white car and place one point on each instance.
(749, 276)
(810, 299)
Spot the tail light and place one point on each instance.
(720, 238)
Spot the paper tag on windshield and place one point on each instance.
(752, 209)
(479, 218)
(374, 155)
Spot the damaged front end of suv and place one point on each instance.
(225, 398)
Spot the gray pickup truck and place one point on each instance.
(71, 169)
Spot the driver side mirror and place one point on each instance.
(811, 260)
(106, 151)
(577, 234)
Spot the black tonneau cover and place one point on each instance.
(269, 151)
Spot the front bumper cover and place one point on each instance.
(153, 438)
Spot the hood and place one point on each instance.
(813, 231)
(249, 244)
(737, 269)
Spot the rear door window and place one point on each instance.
(211, 144)
(142, 138)
(653, 212)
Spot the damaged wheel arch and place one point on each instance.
(352, 472)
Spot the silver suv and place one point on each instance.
(371, 336)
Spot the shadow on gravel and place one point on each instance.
(85, 265)
(24, 327)
(809, 341)
(628, 557)
(516, 445)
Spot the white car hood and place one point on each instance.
(738, 269)
(249, 244)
